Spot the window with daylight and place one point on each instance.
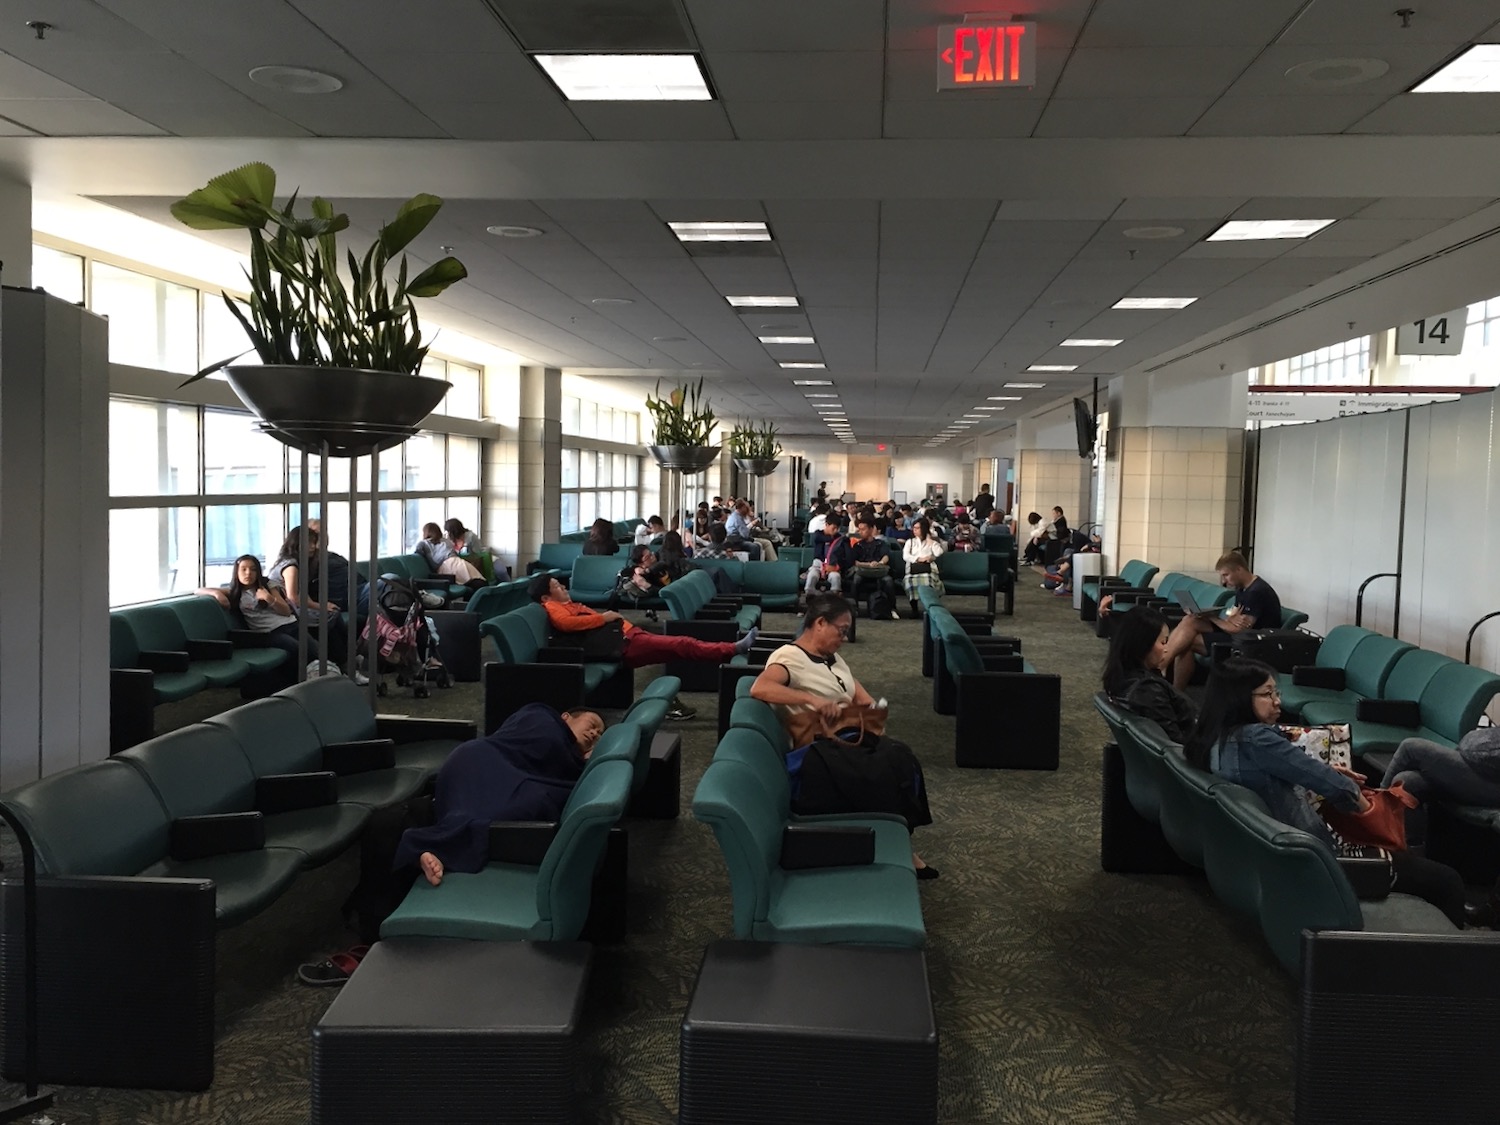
(1478, 365)
(1345, 364)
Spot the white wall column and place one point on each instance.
(539, 462)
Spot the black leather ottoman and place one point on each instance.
(458, 1032)
(661, 797)
(814, 1034)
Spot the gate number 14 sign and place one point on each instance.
(1434, 335)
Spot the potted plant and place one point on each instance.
(755, 449)
(683, 429)
(339, 355)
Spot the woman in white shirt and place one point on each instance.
(809, 675)
(921, 554)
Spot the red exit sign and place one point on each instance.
(974, 55)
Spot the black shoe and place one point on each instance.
(1479, 917)
(651, 615)
(927, 872)
(680, 711)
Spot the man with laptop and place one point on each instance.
(1255, 606)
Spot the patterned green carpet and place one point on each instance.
(1063, 994)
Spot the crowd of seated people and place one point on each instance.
(447, 550)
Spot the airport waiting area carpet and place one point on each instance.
(1063, 994)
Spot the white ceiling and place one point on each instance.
(939, 242)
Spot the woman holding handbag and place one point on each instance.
(921, 554)
(1237, 739)
(841, 761)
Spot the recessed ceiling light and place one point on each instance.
(979, 416)
(1004, 398)
(763, 302)
(1336, 72)
(296, 80)
(669, 339)
(809, 382)
(1153, 234)
(989, 408)
(627, 78)
(786, 339)
(1025, 386)
(721, 232)
(1153, 302)
(1049, 367)
(808, 367)
(611, 301)
(1082, 343)
(1246, 230)
(509, 230)
(1476, 71)
(821, 394)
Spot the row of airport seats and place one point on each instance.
(478, 985)
(1393, 971)
(1007, 715)
(160, 652)
(624, 532)
(1388, 690)
(143, 857)
(822, 1010)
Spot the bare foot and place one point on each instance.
(432, 868)
(916, 861)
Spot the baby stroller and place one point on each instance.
(408, 643)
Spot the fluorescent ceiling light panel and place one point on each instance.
(627, 78)
(1476, 71)
(721, 232)
(763, 302)
(1082, 343)
(820, 394)
(808, 367)
(786, 339)
(1153, 302)
(1004, 398)
(1049, 367)
(1025, 386)
(1247, 230)
(989, 408)
(811, 382)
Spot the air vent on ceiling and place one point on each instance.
(554, 26)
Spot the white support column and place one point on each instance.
(54, 544)
(539, 461)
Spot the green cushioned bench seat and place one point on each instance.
(1367, 659)
(203, 619)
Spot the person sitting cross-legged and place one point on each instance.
(1256, 606)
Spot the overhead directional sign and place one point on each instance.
(1434, 335)
(986, 55)
(1275, 408)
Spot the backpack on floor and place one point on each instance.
(880, 605)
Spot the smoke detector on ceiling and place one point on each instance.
(507, 230)
(1336, 72)
(296, 80)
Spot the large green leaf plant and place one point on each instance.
(302, 311)
(682, 418)
(755, 443)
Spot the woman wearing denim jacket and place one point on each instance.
(1237, 739)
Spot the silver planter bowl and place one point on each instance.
(684, 458)
(756, 466)
(352, 411)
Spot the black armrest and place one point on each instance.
(164, 661)
(521, 841)
(1394, 712)
(1002, 662)
(440, 582)
(1368, 870)
(715, 613)
(210, 650)
(197, 837)
(805, 846)
(249, 638)
(1310, 675)
(534, 566)
(559, 654)
(973, 617)
(288, 792)
(413, 728)
(345, 758)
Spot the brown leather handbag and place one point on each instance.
(806, 727)
(1382, 825)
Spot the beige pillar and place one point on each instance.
(538, 462)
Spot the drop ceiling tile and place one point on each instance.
(10, 128)
(464, 76)
(1058, 209)
(804, 121)
(1058, 235)
(1335, 22)
(771, 25)
(1256, 248)
(505, 121)
(1362, 229)
(1187, 23)
(566, 211)
(1407, 62)
(708, 210)
(80, 26)
(654, 121)
(227, 115)
(1300, 208)
(1233, 116)
(19, 80)
(823, 210)
(1165, 210)
(1152, 72)
(1361, 249)
(1432, 208)
(393, 26)
(797, 76)
(1420, 115)
(74, 117)
(1120, 117)
(961, 119)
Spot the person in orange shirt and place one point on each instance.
(642, 647)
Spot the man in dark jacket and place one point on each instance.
(832, 558)
(870, 556)
(983, 504)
